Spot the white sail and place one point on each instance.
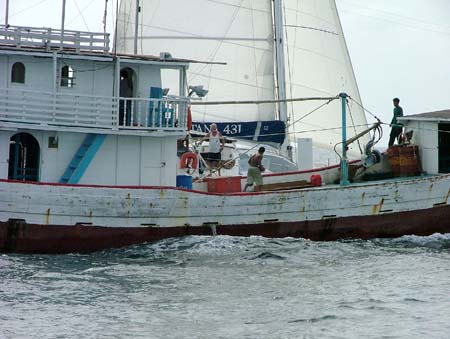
(237, 32)
(318, 65)
(241, 33)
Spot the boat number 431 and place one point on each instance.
(232, 129)
(228, 129)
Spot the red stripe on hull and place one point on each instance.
(20, 237)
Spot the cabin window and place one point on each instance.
(67, 76)
(18, 73)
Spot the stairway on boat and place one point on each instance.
(82, 158)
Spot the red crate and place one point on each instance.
(224, 185)
(316, 180)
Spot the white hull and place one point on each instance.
(167, 207)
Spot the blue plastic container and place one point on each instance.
(184, 181)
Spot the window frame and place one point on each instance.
(14, 73)
(69, 80)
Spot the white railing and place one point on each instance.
(51, 38)
(77, 110)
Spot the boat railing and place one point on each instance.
(49, 38)
(18, 106)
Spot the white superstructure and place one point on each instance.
(53, 96)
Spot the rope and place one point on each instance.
(317, 108)
(214, 170)
(313, 29)
(365, 109)
(354, 128)
(247, 102)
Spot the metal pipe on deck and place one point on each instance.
(116, 90)
(55, 82)
(344, 160)
(359, 135)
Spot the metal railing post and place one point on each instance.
(344, 161)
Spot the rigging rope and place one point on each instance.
(213, 54)
(312, 28)
(80, 13)
(216, 169)
(330, 99)
(365, 109)
(247, 102)
(353, 122)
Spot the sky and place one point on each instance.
(398, 48)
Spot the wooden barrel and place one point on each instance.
(405, 160)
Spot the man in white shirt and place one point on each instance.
(216, 144)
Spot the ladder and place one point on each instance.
(82, 158)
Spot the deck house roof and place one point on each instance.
(436, 116)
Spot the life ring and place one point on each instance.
(189, 160)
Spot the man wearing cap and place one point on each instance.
(397, 127)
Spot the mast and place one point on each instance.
(6, 13)
(280, 67)
(63, 19)
(116, 21)
(136, 27)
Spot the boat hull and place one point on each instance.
(19, 237)
(59, 218)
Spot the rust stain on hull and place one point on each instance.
(377, 207)
(47, 216)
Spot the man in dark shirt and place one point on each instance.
(397, 127)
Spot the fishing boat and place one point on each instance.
(89, 159)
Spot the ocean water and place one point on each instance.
(225, 287)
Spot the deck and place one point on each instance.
(20, 108)
(49, 39)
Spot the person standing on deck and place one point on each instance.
(216, 145)
(254, 171)
(397, 127)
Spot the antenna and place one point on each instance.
(6, 13)
(105, 13)
(63, 18)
